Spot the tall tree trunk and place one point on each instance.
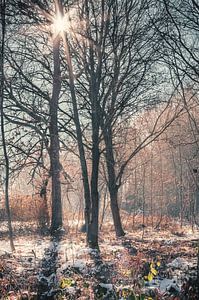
(151, 188)
(198, 268)
(112, 184)
(136, 189)
(94, 224)
(161, 190)
(113, 189)
(104, 208)
(82, 156)
(7, 167)
(56, 221)
(90, 191)
(175, 176)
(181, 187)
(143, 201)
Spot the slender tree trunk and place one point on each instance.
(112, 184)
(162, 190)
(95, 109)
(175, 175)
(143, 202)
(104, 208)
(198, 270)
(90, 191)
(94, 224)
(90, 194)
(151, 188)
(56, 221)
(82, 156)
(136, 191)
(181, 188)
(7, 167)
(115, 211)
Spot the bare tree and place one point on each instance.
(39, 115)
(5, 153)
(115, 50)
(177, 24)
(54, 137)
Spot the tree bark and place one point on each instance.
(94, 224)
(56, 221)
(181, 187)
(112, 184)
(115, 212)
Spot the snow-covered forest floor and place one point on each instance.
(146, 264)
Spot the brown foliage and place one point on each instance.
(28, 208)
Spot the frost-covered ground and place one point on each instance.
(151, 263)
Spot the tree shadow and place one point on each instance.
(24, 230)
(48, 281)
(127, 244)
(101, 277)
(30, 276)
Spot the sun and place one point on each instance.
(66, 24)
(59, 24)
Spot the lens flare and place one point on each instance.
(59, 24)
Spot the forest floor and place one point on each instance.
(146, 264)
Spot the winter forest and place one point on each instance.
(99, 149)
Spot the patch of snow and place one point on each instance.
(166, 284)
(168, 242)
(179, 263)
(79, 264)
(71, 290)
(107, 286)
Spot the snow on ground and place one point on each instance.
(118, 265)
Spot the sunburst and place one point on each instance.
(60, 24)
